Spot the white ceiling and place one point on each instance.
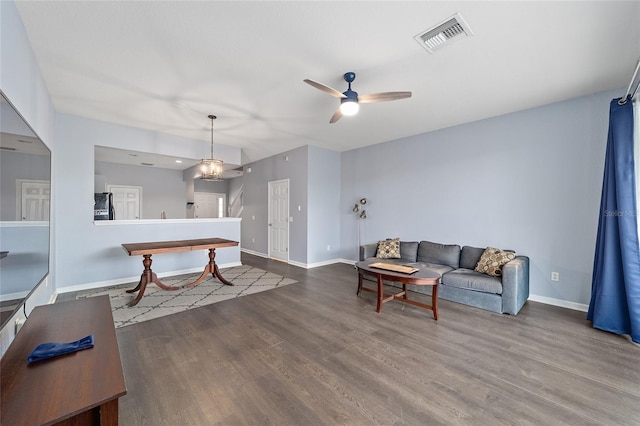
(166, 65)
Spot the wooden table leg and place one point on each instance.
(434, 301)
(148, 276)
(380, 294)
(211, 268)
(359, 283)
(216, 271)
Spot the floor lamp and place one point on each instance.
(362, 214)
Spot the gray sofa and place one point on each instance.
(460, 283)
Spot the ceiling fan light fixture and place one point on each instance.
(211, 169)
(349, 107)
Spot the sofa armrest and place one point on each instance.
(515, 285)
(368, 250)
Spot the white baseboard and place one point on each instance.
(315, 264)
(293, 262)
(109, 283)
(255, 253)
(298, 264)
(558, 302)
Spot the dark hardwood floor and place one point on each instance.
(313, 353)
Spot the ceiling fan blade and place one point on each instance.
(336, 116)
(383, 97)
(326, 89)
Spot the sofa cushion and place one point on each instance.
(441, 254)
(388, 249)
(472, 280)
(469, 256)
(437, 267)
(492, 261)
(409, 250)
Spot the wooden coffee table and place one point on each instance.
(423, 276)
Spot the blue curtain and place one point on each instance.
(615, 287)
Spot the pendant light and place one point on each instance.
(211, 169)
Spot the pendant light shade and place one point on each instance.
(211, 169)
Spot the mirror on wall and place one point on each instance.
(25, 195)
(141, 185)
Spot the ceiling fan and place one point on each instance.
(350, 100)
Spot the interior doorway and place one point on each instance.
(33, 199)
(279, 220)
(127, 201)
(209, 204)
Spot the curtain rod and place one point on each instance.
(623, 100)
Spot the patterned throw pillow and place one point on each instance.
(492, 261)
(389, 249)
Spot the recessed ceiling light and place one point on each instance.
(178, 161)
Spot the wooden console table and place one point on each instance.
(148, 249)
(80, 388)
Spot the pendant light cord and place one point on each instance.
(212, 117)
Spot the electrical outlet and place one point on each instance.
(555, 276)
(253, 240)
(328, 247)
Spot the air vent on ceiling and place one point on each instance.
(6, 148)
(451, 29)
(147, 164)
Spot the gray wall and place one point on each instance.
(528, 181)
(162, 189)
(323, 236)
(234, 198)
(219, 187)
(255, 198)
(314, 200)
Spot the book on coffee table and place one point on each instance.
(395, 267)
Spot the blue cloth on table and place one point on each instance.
(49, 350)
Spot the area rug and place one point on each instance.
(157, 302)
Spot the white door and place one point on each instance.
(34, 199)
(279, 219)
(209, 204)
(127, 201)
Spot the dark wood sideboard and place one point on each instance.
(80, 388)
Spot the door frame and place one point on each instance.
(218, 195)
(269, 184)
(139, 188)
(19, 183)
